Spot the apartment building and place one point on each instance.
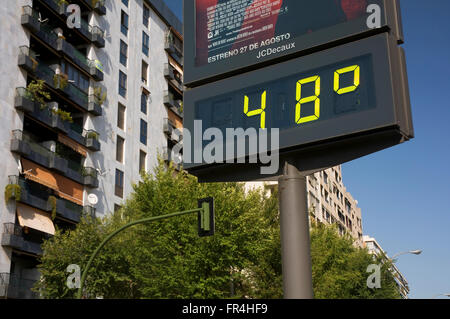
(329, 202)
(113, 99)
(375, 248)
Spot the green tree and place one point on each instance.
(167, 259)
(163, 259)
(339, 268)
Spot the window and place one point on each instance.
(119, 149)
(145, 40)
(119, 183)
(144, 72)
(123, 53)
(124, 23)
(146, 15)
(142, 161)
(79, 80)
(125, 2)
(121, 117)
(122, 84)
(144, 99)
(143, 137)
(325, 177)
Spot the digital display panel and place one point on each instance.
(339, 92)
(233, 34)
(298, 100)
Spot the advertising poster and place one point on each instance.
(228, 28)
(231, 35)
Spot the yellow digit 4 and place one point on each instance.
(356, 79)
(315, 98)
(260, 111)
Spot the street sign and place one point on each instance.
(321, 102)
(230, 36)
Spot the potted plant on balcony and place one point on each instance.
(99, 95)
(63, 115)
(92, 141)
(60, 81)
(37, 92)
(52, 203)
(12, 191)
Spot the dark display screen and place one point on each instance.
(295, 101)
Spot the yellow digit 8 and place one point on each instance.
(315, 98)
(260, 111)
(356, 79)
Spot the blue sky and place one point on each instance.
(403, 191)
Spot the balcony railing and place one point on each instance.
(173, 76)
(174, 47)
(31, 196)
(168, 156)
(16, 287)
(96, 5)
(26, 146)
(24, 101)
(69, 210)
(92, 140)
(12, 236)
(174, 105)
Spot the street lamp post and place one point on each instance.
(413, 252)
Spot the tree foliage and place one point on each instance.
(167, 259)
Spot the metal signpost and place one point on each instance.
(330, 78)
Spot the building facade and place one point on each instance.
(329, 202)
(84, 111)
(375, 248)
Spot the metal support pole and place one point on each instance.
(295, 240)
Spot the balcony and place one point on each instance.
(88, 138)
(24, 102)
(92, 140)
(97, 5)
(30, 19)
(174, 47)
(14, 287)
(95, 105)
(29, 196)
(89, 211)
(79, 59)
(59, 7)
(176, 159)
(24, 145)
(168, 126)
(57, 81)
(174, 105)
(13, 237)
(90, 177)
(169, 129)
(173, 77)
(69, 210)
(97, 37)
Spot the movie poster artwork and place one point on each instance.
(228, 28)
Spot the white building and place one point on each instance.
(115, 88)
(375, 248)
(329, 202)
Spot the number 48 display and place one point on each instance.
(303, 100)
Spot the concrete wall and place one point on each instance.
(11, 38)
(106, 125)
